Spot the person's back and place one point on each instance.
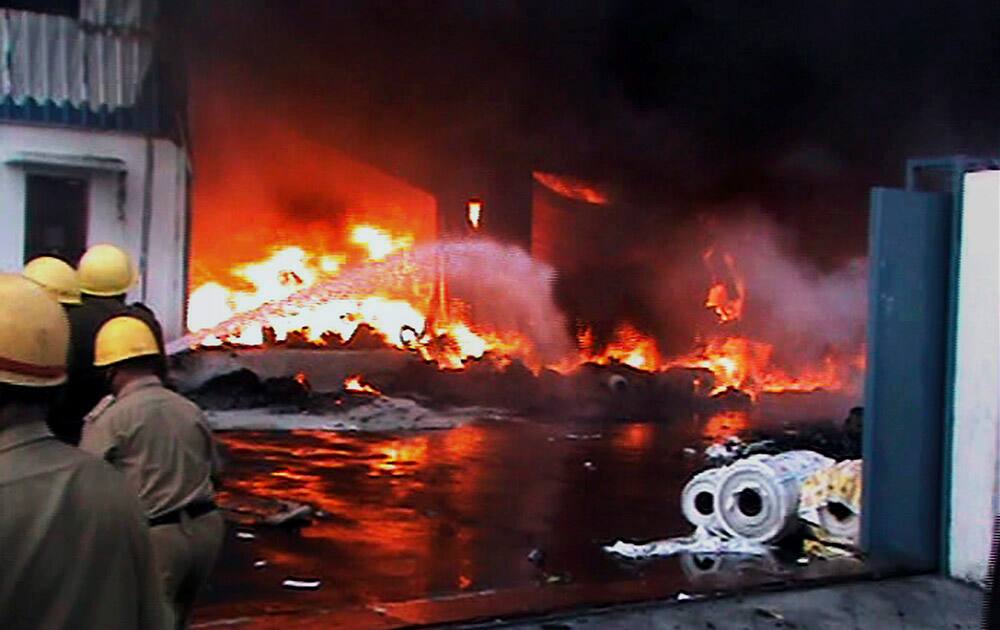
(160, 440)
(85, 386)
(163, 445)
(75, 549)
(106, 274)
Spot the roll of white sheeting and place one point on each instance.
(757, 498)
(698, 499)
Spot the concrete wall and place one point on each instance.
(156, 170)
(977, 380)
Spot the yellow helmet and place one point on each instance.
(34, 334)
(106, 270)
(122, 338)
(56, 276)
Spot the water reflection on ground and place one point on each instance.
(419, 515)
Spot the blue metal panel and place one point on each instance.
(910, 256)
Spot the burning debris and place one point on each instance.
(354, 384)
(457, 305)
(571, 188)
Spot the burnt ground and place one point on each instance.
(487, 519)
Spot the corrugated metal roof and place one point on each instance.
(54, 58)
(119, 14)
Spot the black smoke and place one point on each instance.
(678, 109)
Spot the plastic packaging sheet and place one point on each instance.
(702, 542)
(830, 501)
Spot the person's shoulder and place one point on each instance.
(44, 457)
(181, 401)
(159, 398)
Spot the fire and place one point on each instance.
(727, 305)
(302, 379)
(294, 290)
(355, 384)
(379, 242)
(571, 188)
(629, 346)
(475, 213)
(284, 294)
(726, 424)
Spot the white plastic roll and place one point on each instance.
(842, 525)
(757, 498)
(698, 499)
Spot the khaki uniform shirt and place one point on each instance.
(160, 440)
(74, 545)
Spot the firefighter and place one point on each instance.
(163, 445)
(62, 282)
(106, 274)
(75, 545)
(57, 277)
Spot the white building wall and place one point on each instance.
(162, 285)
(975, 469)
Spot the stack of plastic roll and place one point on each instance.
(698, 500)
(831, 500)
(757, 498)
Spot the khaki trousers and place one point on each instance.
(185, 554)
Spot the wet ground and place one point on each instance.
(440, 525)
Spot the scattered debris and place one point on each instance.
(292, 514)
(250, 510)
(589, 465)
(725, 452)
(558, 578)
(302, 584)
(733, 448)
(683, 597)
(702, 542)
(259, 564)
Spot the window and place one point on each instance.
(55, 217)
(69, 8)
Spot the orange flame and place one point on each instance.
(728, 308)
(629, 347)
(302, 379)
(397, 309)
(354, 384)
(571, 188)
(475, 213)
(379, 243)
(726, 424)
(269, 301)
